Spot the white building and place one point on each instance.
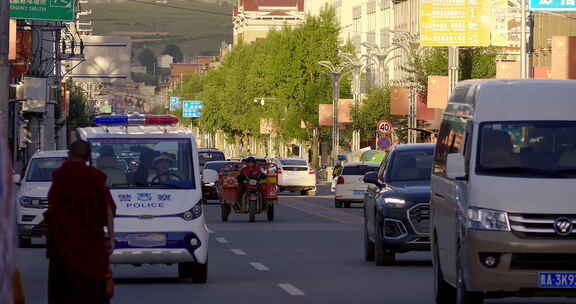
(374, 22)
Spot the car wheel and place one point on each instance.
(270, 212)
(348, 204)
(368, 247)
(303, 192)
(444, 292)
(197, 272)
(463, 296)
(252, 211)
(225, 209)
(24, 242)
(382, 256)
(337, 204)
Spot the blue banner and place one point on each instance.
(553, 5)
(192, 108)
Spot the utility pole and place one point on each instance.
(523, 43)
(4, 67)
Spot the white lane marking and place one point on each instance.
(291, 289)
(222, 240)
(259, 266)
(238, 251)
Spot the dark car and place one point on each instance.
(210, 191)
(396, 205)
(208, 155)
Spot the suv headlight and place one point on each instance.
(394, 202)
(487, 219)
(193, 213)
(30, 202)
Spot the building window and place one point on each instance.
(357, 19)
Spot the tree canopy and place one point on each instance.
(174, 51)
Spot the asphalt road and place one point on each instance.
(312, 253)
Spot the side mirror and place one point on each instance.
(16, 178)
(455, 167)
(372, 178)
(209, 176)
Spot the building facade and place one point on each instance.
(254, 19)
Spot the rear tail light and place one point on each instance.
(312, 171)
(340, 180)
(279, 171)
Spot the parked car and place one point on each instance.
(207, 155)
(295, 175)
(350, 186)
(396, 205)
(210, 190)
(503, 192)
(32, 195)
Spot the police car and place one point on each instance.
(154, 177)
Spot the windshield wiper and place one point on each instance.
(522, 170)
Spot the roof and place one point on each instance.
(413, 147)
(55, 153)
(526, 99)
(356, 164)
(135, 132)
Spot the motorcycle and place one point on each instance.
(259, 195)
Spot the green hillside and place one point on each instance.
(197, 26)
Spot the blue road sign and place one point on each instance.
(174, 103)
(191, 108)
(553, 5)
(383, 143)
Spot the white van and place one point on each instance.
(503, 191)
(154, 176)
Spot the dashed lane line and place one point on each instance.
(259, 266)
(238, 251)
(291, 289)
(222, 240)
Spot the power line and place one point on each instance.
(181, 8)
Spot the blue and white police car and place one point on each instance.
(154, 177)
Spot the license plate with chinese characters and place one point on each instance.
(557, 280)
(147, 240)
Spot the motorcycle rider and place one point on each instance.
(251, 171)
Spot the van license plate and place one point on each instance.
(557, 280)
(146, 240)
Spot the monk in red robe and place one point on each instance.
(80, 232)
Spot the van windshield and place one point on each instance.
(41, 169)
(145, 163)
(528, 149)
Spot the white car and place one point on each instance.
(296, 175)
(32, 195)
(350, 186)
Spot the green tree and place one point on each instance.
(147, 59)
(375, 107)
(80, 110)
(174, 51)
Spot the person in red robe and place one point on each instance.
(80, 232)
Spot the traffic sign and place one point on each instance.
(191, 108)
(50, 10)
(552, 5)
(174, 103)
(384, 127)
(383, 143)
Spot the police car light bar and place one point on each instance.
(117, 120)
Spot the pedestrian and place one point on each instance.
(80, 232)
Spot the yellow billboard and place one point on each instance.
(455, 22)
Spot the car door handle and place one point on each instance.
(438, 195)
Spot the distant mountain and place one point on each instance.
(198, 27)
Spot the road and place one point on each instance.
(312, 253)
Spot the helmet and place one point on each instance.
(250, 160)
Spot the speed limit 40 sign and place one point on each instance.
(384, 127)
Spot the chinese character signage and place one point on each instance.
(50, 10)
(455, 22)
(174, 103)
(553, 5)
(192, 108)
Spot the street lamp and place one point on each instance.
(335, 71)
(382, 57)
